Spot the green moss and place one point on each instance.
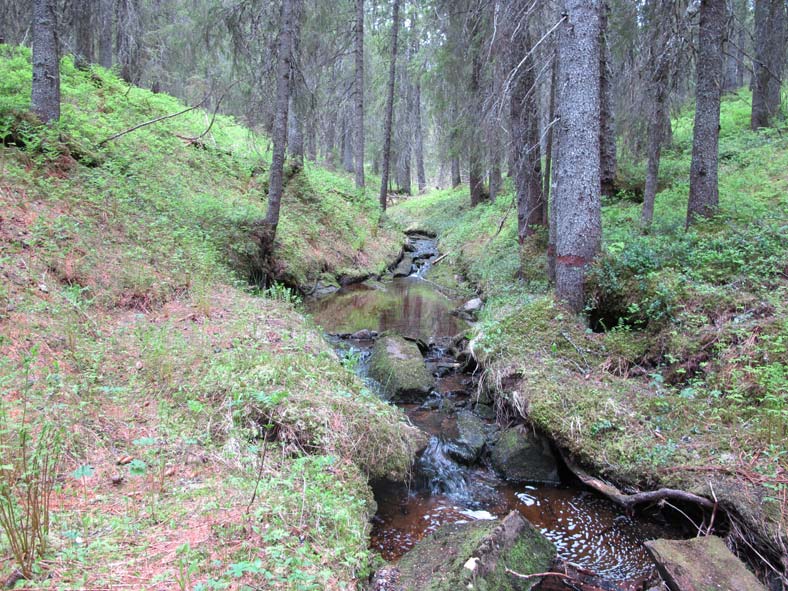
(399, 367)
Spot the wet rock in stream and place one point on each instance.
(398, 366)
(472, 555)
(701, 564)
(522, 456)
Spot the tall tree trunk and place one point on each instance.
(359, 90)
(703, 193)
(83, 31)
(769, 61)
(456, 174)
(607, 129)
(279, 135)
(548, 153)
(45, 97)
(475, 167)
(418, 137)
(525, 139)
(106, 23)
(128, 38)
(577, 195)
(389, 116)
(295, 134)
(555, 138)
(659, 118)
(331, 141)
(348, 163)
(731, 51)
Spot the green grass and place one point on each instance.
(691, 369)
(125, 294)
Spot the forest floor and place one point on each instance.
(683, 381)
(209, 436)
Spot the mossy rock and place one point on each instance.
(701, 564)
(472, 437)
(399, 367)
(475, 555)
(521, 455)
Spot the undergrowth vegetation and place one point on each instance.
(681, 377)
(184, 429)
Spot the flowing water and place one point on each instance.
(587, 530)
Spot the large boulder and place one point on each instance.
(475, 555)
(520, 455)
(701, 564)
(399, 367)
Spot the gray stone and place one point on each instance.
(398, 366)
(701, 564)
(404, 266)
(520, 455)
(471, 437)
(475, 555)
(472, 306)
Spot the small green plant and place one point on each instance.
(27, 477)
(282, 293)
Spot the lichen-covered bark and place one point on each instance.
(45, 96)
(703, 193)
(576, 197)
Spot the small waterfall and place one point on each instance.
(440, 473)
(424, 251)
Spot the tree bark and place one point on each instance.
(279, 135)
(548, 154)
(83, 31)
(525, 139)
(769, 61)
(475, 167)
(418, 133)
(660, 62)
(456, 174)
(106, 18)
(577, 194)
(384, 177)
(359, 90)
(295, 134)
(703, 193)
(45, 96)
(607, 129)
(348, 163)
(128, 40)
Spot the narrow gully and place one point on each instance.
(448, 485)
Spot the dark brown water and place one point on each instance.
(587, 530)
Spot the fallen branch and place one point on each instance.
(151, 122)
(630, 501)
(502, 222)
(537, 575)
(440, 258)
(193, 140)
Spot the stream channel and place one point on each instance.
(588, 531)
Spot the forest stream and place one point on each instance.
(587, 530)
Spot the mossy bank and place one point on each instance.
(680, 379)
(210, 437)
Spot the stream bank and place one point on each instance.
(467, 472)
